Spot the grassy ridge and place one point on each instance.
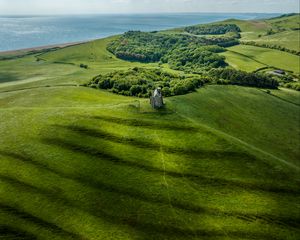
(284, 33)
(252, 58)
(62, 66)
(287, 39)
(110, 166)
(243, 62)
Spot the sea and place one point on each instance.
(19, 32)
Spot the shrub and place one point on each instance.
(83, 66)
(166, 91)
(293, 85)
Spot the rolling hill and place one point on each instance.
(281, 32)
(82, 163)
(251, 58)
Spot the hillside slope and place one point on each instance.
(77, 163)
(251, 58)
(280, 32)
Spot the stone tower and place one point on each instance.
(156, 100)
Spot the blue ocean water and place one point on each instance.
(17, 32)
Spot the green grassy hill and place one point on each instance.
(79, 163)
(251, 58)
(277, 32)
(62, 66)
(284, 33)
(287, 39)
(252, 29)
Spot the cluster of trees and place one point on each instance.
(190, 54)
(143, 46)
(192, 58)
(271, 46)
(212, 29)
(292, 85)
(181, 51)
(224, 41)
(236, 77)
(287, 81)
(141, 82)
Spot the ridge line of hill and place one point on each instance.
(282, 99)
(243, 143)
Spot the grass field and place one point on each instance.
(284, 31)
(287, 39)
(251, 58)
(62, 66)
(243, 62)
(79, 163)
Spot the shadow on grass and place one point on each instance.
(8, 77)
(199, 154)
(144, 227)
(97, 184)
(195, 178)
(146, 124)
(17, 212)
(141, 196)
(138, 196)
(9, 233)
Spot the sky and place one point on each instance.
(145, 6)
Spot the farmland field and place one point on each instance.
(251, 58)
(287, 39)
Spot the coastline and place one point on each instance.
(113, 26)
(40, 48)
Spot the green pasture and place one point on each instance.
(78, 163)
(251, 58)
(287, 39)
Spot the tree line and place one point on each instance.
(214, 29)
(140, 82)
(158, 47)
(271, 46)
(237, 77)
(193, 58)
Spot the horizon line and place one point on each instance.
(138, 13)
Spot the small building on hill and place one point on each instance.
(280, 72)
(156, 100)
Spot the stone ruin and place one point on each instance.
(156, 100)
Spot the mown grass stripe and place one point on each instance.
(8, 232)
(146, 227)
(198, 154)
(146, 124)
(193, 177)
(87, 180)
(33, 219)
